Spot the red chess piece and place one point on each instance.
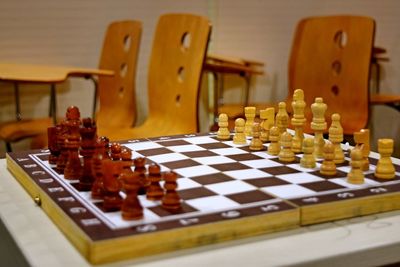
(63, 157)
(73, 167)
(88, 137)
(52, 143)
(97, 169)
(112, 185)
(154, 191)
(171, 200)
(131, 208)
(140, 163)
(116, 151)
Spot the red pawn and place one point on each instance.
(140, 163)
(97, 169)
(154, 191)
(171, 201)
(112, 186)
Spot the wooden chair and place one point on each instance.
(331, 58)
(117, 93)
(119, 53)
(178, 52)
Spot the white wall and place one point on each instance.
(71, 33)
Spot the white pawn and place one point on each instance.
(308, 159)
(256, 143)
(282, 118)
(384, 168)
(336, 137)
(298, 119)
(318, 124)
(328, 166)
(356, 175)
(274, 147)
(223, 131)
(250, 114)
(286, 154)
(267, 117)
(240, 137)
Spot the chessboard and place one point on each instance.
(228, 191)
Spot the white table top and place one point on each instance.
(365, 241)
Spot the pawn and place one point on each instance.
(116, 151)
(154, 191)
(286, 154)
(336, 137)
(282, 118)
(171, 200)
(131, 208)
(223, 131)
(140, 167)
(250, 114)
(328, 166)
(240, 137)
(384, 168)
(256, 143)
(308, 159)
(356, 175)
(112, 186)
(274, 147)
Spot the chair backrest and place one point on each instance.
(330, 58)
(117, 94)
(175, 70)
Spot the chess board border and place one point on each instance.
(112, 246)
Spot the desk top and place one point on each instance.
(33, 73)
(368, 240)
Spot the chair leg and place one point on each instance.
(8, 147)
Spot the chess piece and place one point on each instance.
(223, 131)
(63, 156)
(282, 118)
(88, 145)
(318, 124)
(256, 144)
(73, 168)
(116, 151)
(131, 209)
(154, 191)
(361, 139)
(106, 142)
(171, 200)
(240, 137)
(140, 163)
(267, 117)
(250, 114)
(328, 166)
(52, 144)
(112, 185)
(274, 147)
(298, 120)
(336, 137)
(286, 154)
(97, 191)
(308, 159)
(384, 168)
(356, 175)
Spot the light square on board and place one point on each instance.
(213, 160)
(142, 145)
(230, 187)
(212, 203)
(247, 174)
(299, 178)
(196, 171)
(186, 148)
(288, 191)
(201, 140)
(167, 157)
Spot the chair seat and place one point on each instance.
(17, 130)
(381, 99)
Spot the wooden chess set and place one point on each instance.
(141, 197)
